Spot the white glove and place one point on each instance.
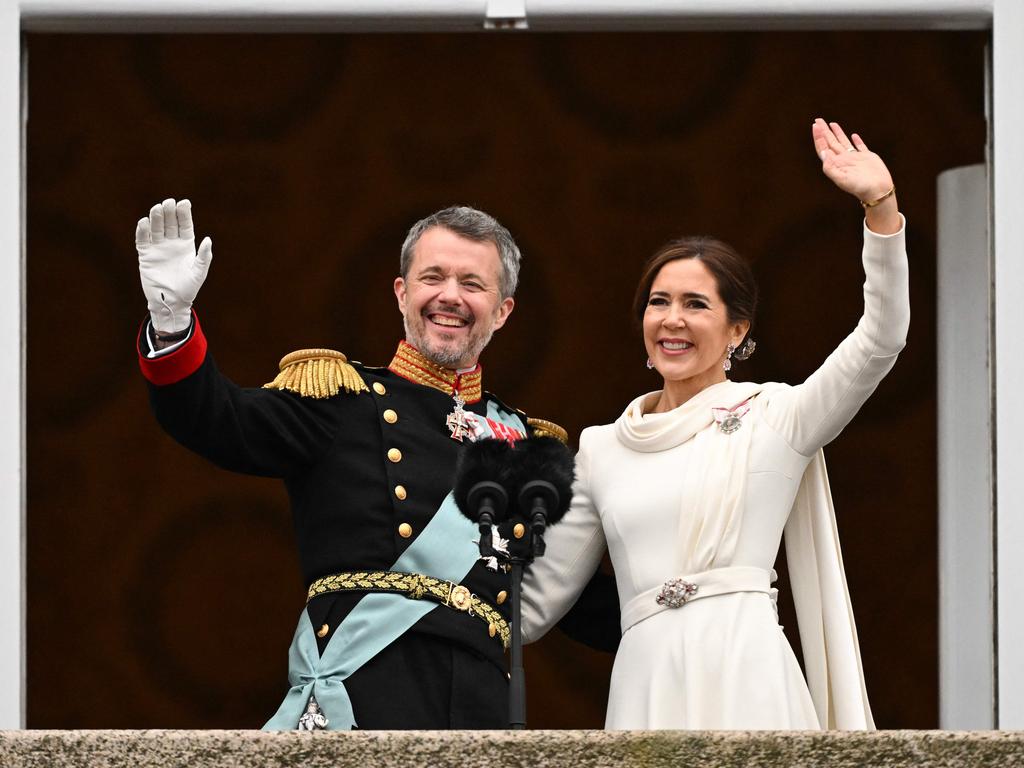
(171, 270)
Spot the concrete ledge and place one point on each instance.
(496, 749)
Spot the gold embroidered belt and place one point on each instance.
(416, 586)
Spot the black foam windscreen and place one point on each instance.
(513, 466)
(547, 459)
(481, 461)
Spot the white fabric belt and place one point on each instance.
(675, 593)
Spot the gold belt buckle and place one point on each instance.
(460, 598)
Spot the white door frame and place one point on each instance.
(1004, 17)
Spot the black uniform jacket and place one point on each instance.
(365, 472)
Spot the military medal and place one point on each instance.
(313, 719)
(458, 421)
(500, 547)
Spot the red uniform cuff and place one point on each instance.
(177, 365)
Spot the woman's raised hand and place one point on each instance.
(858, 171)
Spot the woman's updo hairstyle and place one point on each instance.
(733, 276)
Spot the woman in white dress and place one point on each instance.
(693, 487)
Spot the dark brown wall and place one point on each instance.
(162, 592)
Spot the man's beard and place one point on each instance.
(447, 355)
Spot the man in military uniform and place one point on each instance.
(405, 625)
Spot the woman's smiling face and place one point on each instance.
(686, 325)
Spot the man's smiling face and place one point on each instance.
(450, 301)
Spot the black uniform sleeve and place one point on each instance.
(252, 430)
(255, 431)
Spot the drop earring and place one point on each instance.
(727, 363)
(650, 365)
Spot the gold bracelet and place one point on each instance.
(886, 196)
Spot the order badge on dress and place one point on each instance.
(731, 419)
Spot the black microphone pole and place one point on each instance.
(535, 498)
(490, 499)
(517, 675)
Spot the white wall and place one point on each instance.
(1008, 242)
(965, 429)
(12, 482)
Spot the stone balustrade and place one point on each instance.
(501, 749)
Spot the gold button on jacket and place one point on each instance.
(395, 455)
(379, 388)
(405, 530)
(390, 416)
(400, 491)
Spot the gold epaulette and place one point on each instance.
(317, 373)
(544, 428)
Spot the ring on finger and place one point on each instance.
(851, 149)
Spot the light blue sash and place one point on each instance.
(446, 549)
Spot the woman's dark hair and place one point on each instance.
(733, 275)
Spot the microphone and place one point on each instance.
(543, 472)
(530, 479)
(480, 486)
(490, 499)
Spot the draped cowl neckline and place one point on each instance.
(650, 432)
(711, 512)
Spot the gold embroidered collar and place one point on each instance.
(411, 364)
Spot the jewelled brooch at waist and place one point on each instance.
(675, 592)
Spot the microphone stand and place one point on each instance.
(490, 500)
(516, 674)
(537, 496)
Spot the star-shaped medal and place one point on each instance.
(499, 545)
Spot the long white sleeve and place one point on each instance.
(574, 549)
(812, 414)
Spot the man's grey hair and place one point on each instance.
(474, 225)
